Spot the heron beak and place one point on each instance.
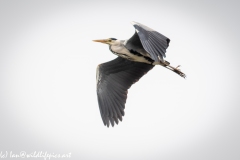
(102, 40)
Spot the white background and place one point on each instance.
(47, 88)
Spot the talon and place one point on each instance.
(176, 70)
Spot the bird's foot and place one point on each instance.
(178, 71)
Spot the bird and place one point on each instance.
(135, 57)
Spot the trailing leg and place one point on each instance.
(167, 65)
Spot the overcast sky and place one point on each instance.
(48, 69)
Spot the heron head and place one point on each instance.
(109, 41)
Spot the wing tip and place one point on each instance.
(168, 41)
(111, 121)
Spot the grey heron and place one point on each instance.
(136, 56)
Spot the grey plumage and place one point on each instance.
(136, 56)
(114, 78)
(153, 42)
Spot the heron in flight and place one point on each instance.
(136, 56)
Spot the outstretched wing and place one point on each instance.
(114, 78)
(152, 41)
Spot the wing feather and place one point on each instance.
(114, 78)
(153, 42)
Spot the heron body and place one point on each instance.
(136, 56)
(119, 49)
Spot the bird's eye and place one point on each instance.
(109, 40)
